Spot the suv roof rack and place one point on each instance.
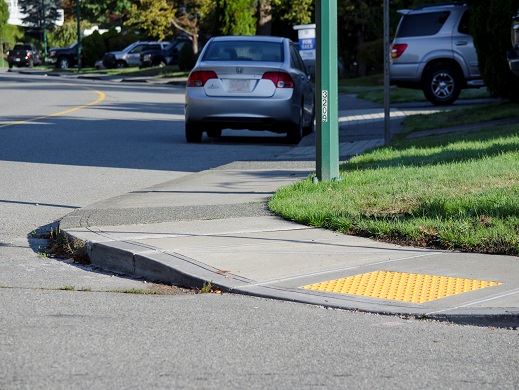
(440, 5)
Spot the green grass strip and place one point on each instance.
(459, 192)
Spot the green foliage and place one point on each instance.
(9, 35)
(236, 17)
(294, 12)
(153, 17)
(65, 35)
(491, 24)
(4, 14)
(186, 58)
(40, 13)
(105, 12)
(93, 48)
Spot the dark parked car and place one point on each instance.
(63, 58)
(164, 56)
(513, 55)
(23, 55)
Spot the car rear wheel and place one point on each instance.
(193, 133)
(63, 63)
(214, 133)
(309, 129)
(295, 132)
(442, 85)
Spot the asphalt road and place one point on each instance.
(101, 338)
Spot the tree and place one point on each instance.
(491, 23)
(236, 17)
(154, 17)
(105, 12)
(190, 15)
(267, 11)
(4, 14)
(40, 14)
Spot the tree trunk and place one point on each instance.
(264, 24)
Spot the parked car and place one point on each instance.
(63, 58)
(129, 56)
(513, 55)
(252, 82)
(434, 51)
(23, 54)
(168, 55)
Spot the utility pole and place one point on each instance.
(44, 27)
(326, 91)
(78, 47)
(387, 86)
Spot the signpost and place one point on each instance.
(326, 96)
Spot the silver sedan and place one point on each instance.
(249, 82)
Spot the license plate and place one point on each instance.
(239, 86)
(17, 59)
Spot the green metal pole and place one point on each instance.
(78, 17)
(326, 93)
(44, 29)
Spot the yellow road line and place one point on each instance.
(101, 96)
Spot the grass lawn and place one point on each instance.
(371, 88)
(457, 192)
(167, 71)
(461, 117)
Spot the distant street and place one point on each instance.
(65, 144)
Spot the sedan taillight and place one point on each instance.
(280, 79)
(200, 77)
(398, 49)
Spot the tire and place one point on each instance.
(442, 85)
(63, 63)
(161, 63)
(295, 133)
(214, 133)
(121, 64)
(309, 129)
(193, 133)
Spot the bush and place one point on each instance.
(491, 24)
(65, 35)
(93, 48)
(186, 58)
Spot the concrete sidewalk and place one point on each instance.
(214, 227)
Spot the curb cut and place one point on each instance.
(142, 261)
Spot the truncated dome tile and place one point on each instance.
(400, 286)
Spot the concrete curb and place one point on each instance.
(142, 261)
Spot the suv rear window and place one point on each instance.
(245, 51)
(423, 24)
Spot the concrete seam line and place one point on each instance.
(101, 96)
(505, 294)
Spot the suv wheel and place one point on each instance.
(193, 133)
(442, 85)
(63, 63)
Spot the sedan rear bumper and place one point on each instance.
(273, 113)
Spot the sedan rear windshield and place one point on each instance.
(244, 51)
(421, 25)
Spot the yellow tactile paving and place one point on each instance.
(400, 286)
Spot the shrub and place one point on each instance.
(186, 58)
(491, 24)
(93, 48)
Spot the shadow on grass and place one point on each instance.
(492, 144)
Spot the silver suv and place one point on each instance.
(434, 51)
